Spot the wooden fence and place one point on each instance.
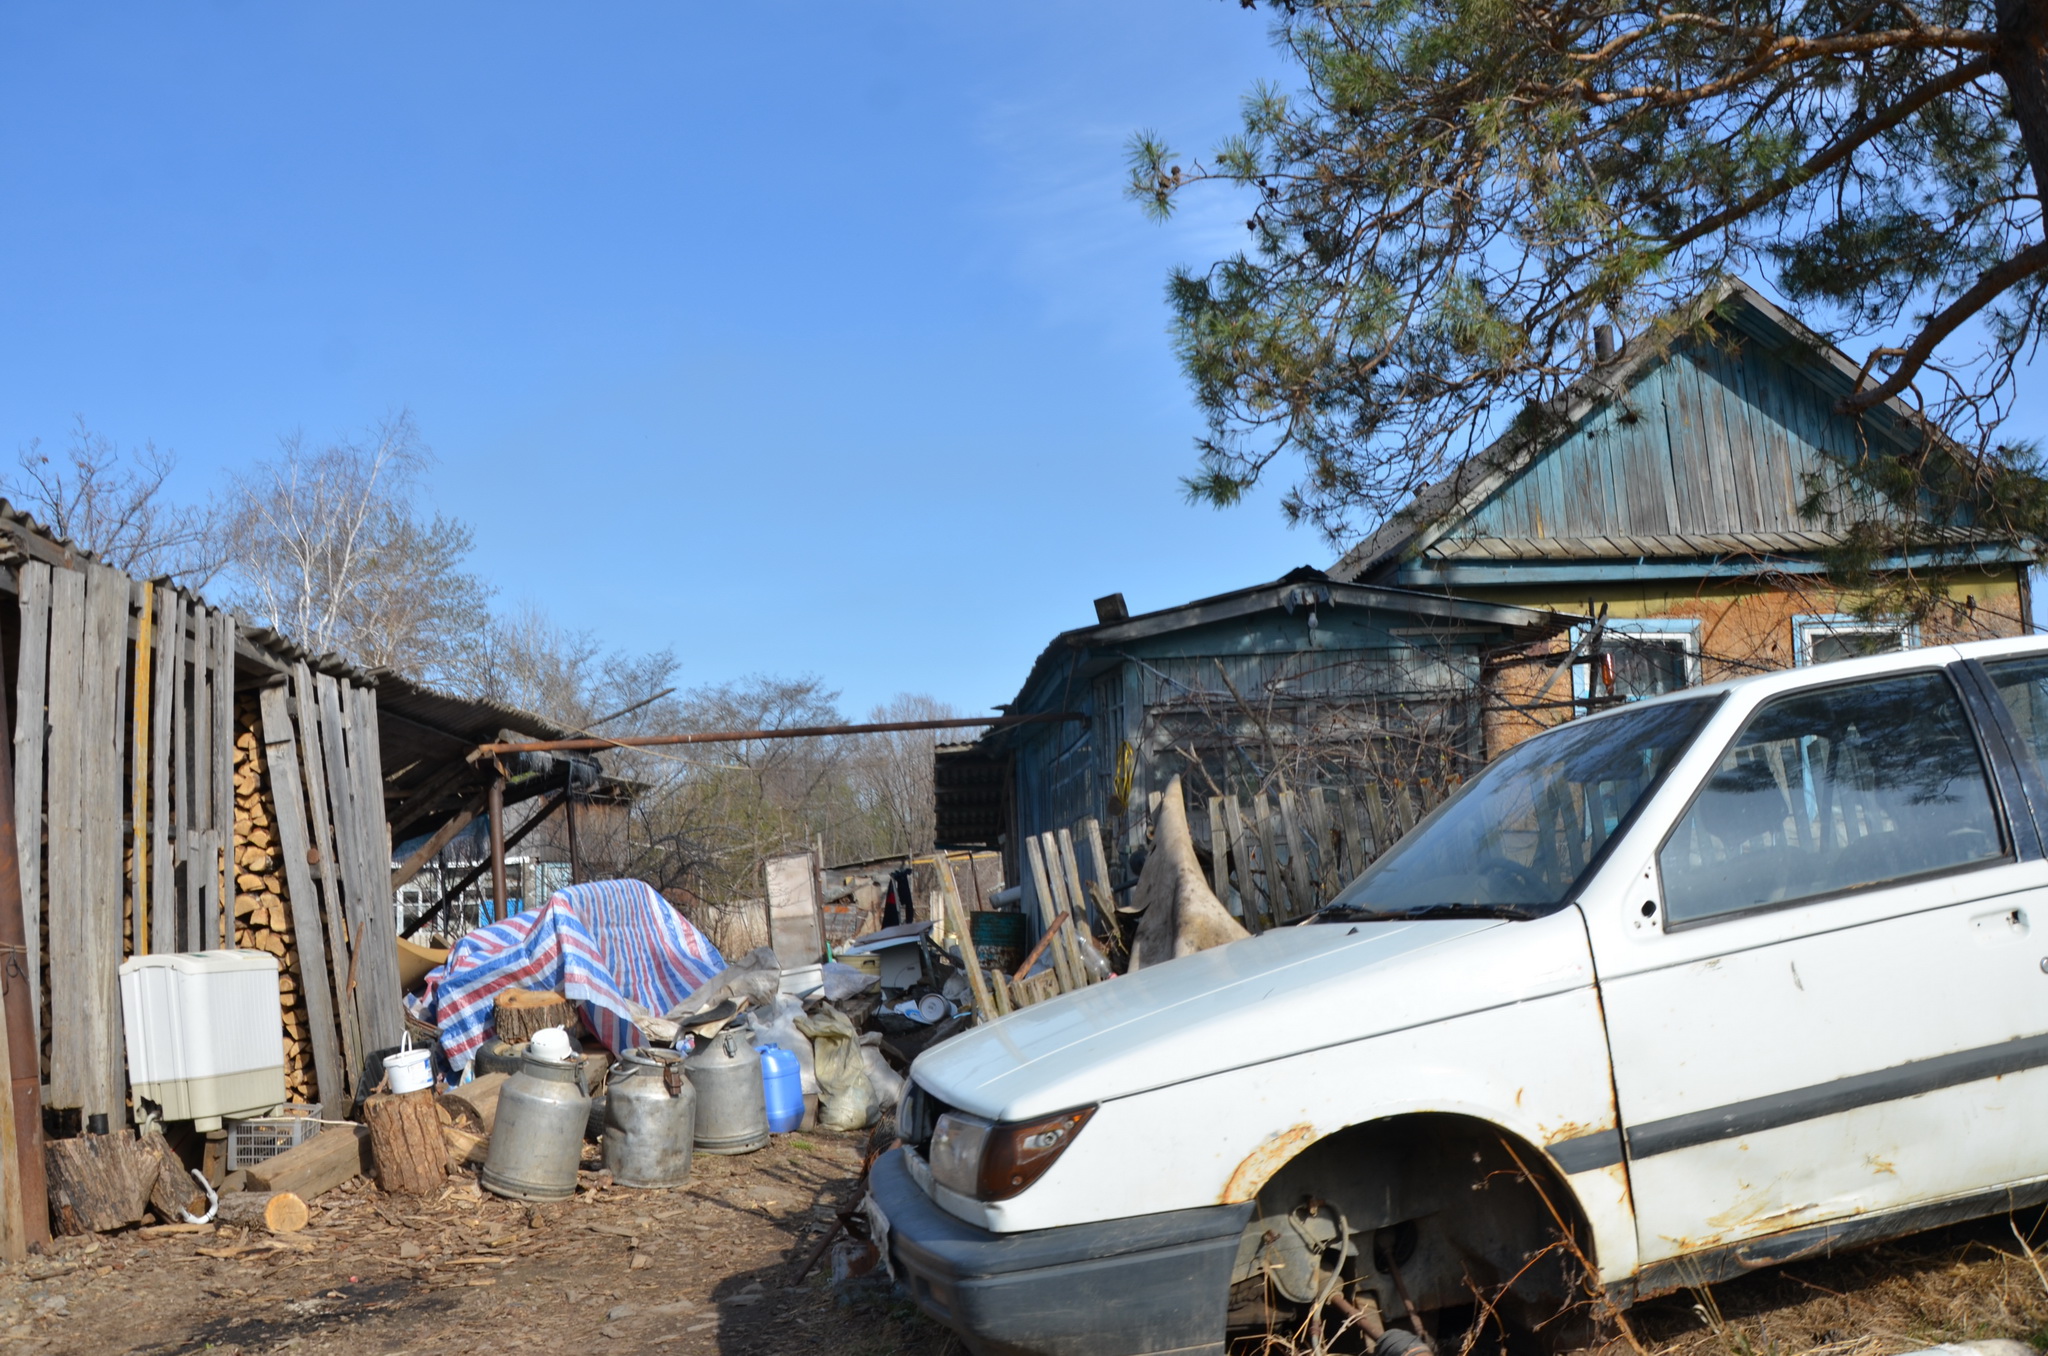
(1281, 855)
(128, 836)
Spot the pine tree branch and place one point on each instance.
(1914, 356)
(1783, 52)
(1843, 146)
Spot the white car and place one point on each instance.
(1715, 981)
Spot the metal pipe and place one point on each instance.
(498, 850)
(791, 732)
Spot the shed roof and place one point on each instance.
(1299, 588)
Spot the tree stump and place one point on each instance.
(406, 1142)
(278, 1211)
(173, 1193)
(519, 1013)
(97, 1182)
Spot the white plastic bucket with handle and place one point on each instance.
(409, 1070)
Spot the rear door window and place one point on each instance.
(2023, 683)
(1839, 788)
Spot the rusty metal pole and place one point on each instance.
(15, 991)
(595, 745)
(498, 850)
(575, 856)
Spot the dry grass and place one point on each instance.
(1972, 1281)
(1959, 1284)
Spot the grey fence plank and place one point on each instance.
(181, 773)
(224, 767)
(163, 897)
(201, 869)
(320, 821)
(70, 928)
(31, 736)
(316, 978)
(379, 961)
(106, 662)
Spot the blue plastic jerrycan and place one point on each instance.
(782, 1082)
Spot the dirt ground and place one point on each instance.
(711, 1268)
(707, 1268)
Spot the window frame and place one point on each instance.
(1988, 765)
(1686, 630)
(1806, 626)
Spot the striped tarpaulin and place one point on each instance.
(610, 947)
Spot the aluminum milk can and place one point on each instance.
(732, 1110)
(537, 1139)
(649, 1119)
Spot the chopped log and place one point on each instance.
(405, 1141)
(475, 1103)
(173, 1193)
(465, 1145)
(281, 1212)
(97, 1182)
(320, 1164)
(519, 1013)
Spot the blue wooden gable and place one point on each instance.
(1691, 457)
(1717, 439)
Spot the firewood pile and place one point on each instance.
(263, 919)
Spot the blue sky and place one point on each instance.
(799, 338)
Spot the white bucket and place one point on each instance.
(550, 1043)
(409, 1070)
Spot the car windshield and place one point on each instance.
(1519, 837)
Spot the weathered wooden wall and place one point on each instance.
(142, 802)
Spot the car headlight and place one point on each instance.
(993, 1161)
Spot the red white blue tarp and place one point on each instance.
(615, 948)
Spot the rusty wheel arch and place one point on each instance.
(1485, 1199)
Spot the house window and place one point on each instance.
(1822, 639)
(1638, 658)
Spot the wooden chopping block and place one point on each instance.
(320, 1164)
(405, 1141)
(518, 1013)
(281, 1212)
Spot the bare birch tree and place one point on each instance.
(330, 549)
(115, 506)
(892, 775)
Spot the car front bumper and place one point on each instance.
(1130, 1287)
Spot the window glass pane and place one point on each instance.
(1644, 666)
(1525, 830)
(1825, 645)
(1831, 790)
(2024, 685)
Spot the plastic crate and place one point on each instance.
(264, 1137)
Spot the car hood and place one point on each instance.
(1284, 992)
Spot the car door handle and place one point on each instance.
(2001, 925)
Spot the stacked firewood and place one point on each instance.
(263, 918)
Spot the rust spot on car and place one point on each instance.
(1261, 1163)
(1881, 1165)
(1557, 1134)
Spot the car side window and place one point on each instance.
(1834, 789)
(2023, 683)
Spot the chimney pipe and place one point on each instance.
(1110, 608)
(1603, 343)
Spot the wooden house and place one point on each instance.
(1700, 491)
(1281, 700)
